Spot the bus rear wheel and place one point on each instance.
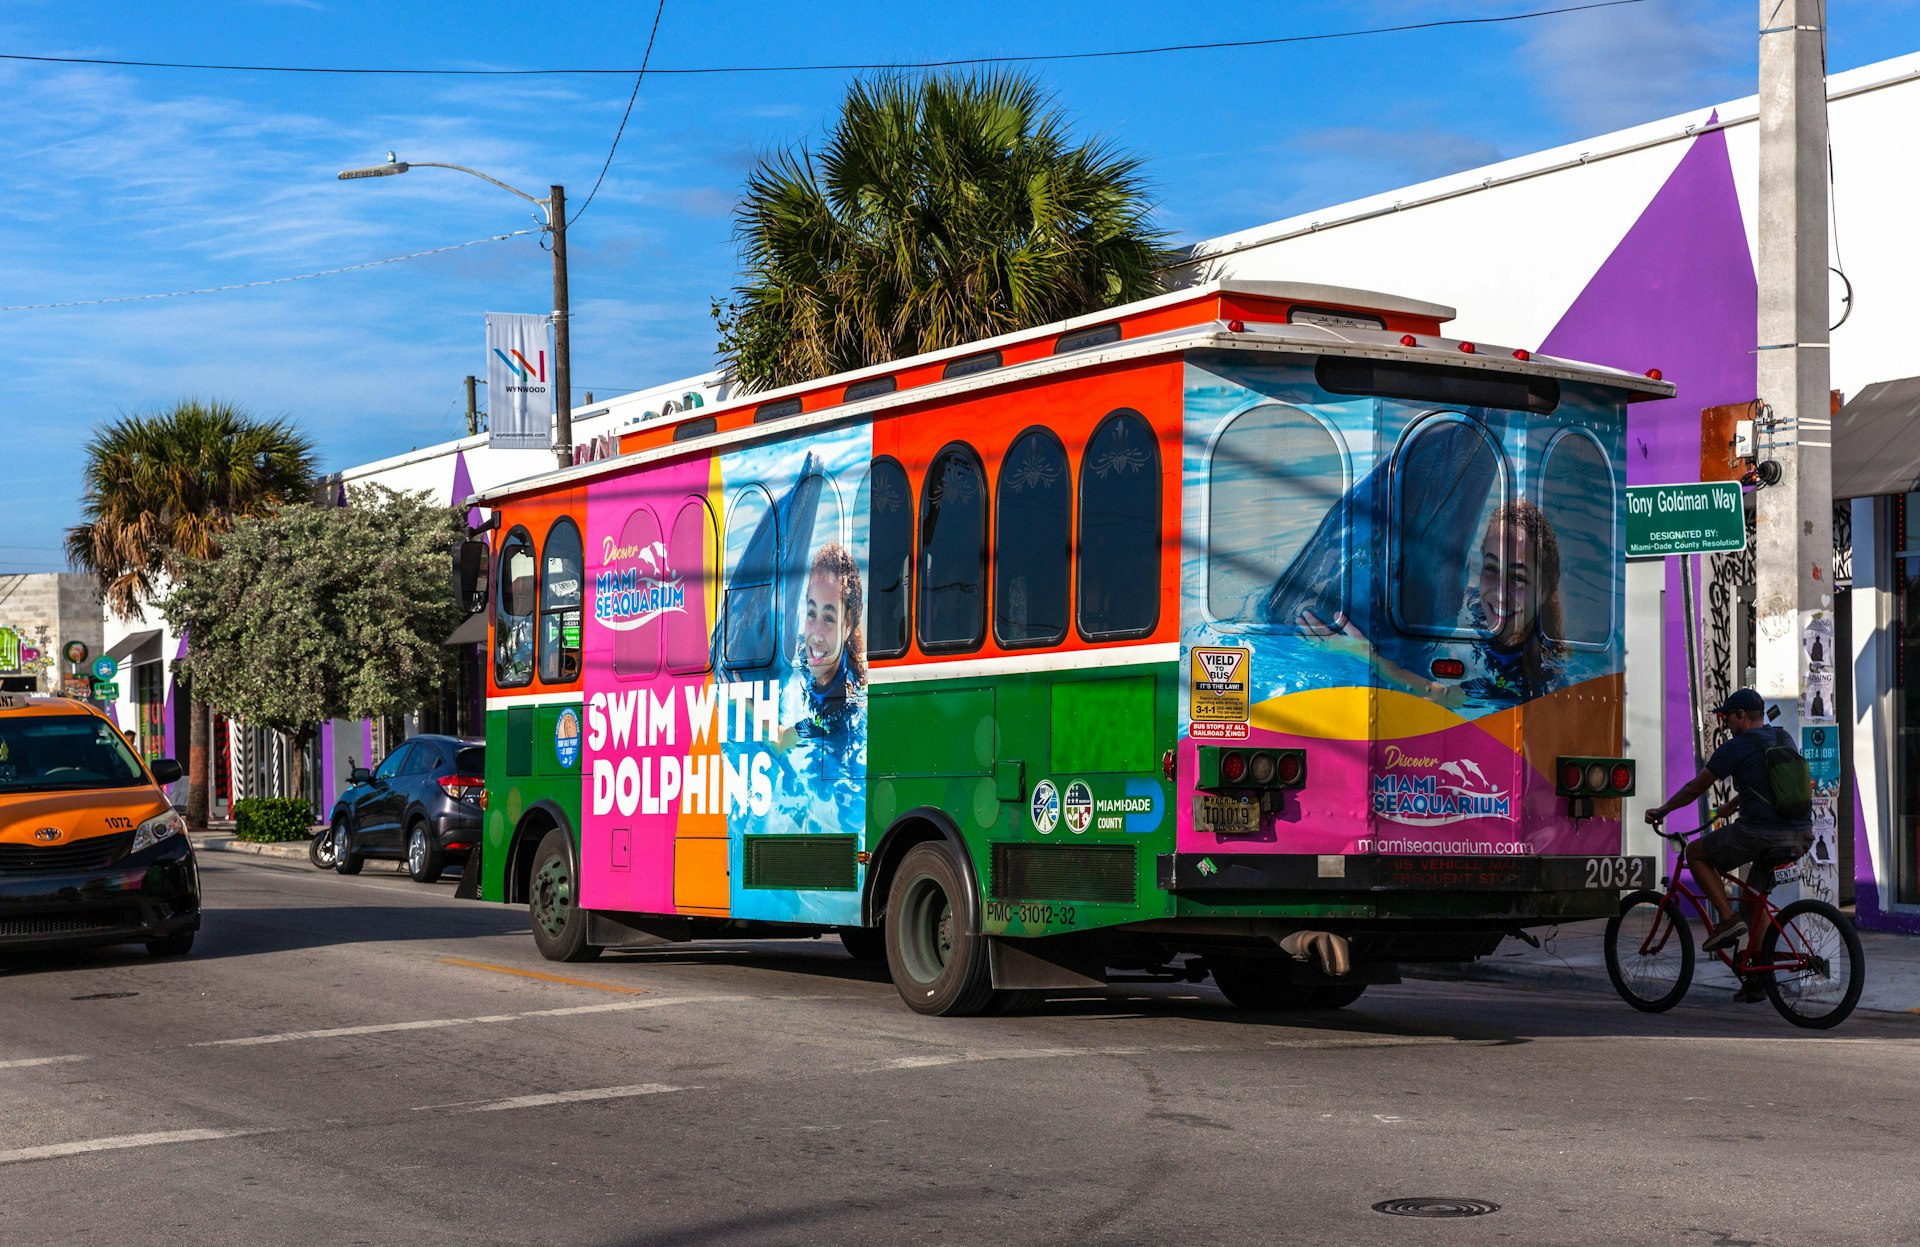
(553, 903)
(938, 962)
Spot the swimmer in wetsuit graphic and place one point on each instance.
(833, 705)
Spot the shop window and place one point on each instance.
(1448, 561)
(513, 612)
(890, 560)
(1118, 580)
(1566, 546)
(1032, 542)
(951, 612)
(560, 573)
(1275, 547)
(690, 555)
(630, 611)
(753, 551)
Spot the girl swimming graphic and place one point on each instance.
(832, 708)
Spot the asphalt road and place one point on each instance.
(347, 1061)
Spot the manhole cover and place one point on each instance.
(1431, 1206)
(106, 996)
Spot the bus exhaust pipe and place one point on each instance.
(1330, 950)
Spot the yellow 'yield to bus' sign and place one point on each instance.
(1701, 518)
(1217, 695)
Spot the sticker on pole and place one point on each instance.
(1217, 698)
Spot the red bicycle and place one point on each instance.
(1808, 953)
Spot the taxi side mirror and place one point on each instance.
(165, 771)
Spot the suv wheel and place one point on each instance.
(425, 858)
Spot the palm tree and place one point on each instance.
(160, 490)
(940, 210)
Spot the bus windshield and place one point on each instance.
(59, 753)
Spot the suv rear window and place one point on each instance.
(59, 753)
(470, 761)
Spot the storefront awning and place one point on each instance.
(136, 648)
(1876, 441)
(472, 631)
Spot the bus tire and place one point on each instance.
(553, 895)
(864, 943)
(1261, 983)
(938, 962)
(1337, 995)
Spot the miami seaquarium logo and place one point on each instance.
(1426, 792)
(633, 597)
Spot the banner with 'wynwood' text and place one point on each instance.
(519, 382)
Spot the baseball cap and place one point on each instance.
(1742, 699)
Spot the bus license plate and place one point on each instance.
(1226, 815)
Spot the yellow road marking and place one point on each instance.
(545, 978)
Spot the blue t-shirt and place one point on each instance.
(1743, 759)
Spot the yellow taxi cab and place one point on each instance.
(91, 852)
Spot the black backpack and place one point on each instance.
(1789, 781)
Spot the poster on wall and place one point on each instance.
(1821, 748)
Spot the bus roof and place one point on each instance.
(1292, 317)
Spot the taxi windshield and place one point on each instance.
(62, 752)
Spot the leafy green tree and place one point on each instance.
(159, 492)
(940, 210)
(320, 612)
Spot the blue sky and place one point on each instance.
(142, 181)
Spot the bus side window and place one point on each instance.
(636, 646)
(513, 612)
(560, 604)
(1448, 480)
(1575, 576)
(1118, 581)
(890, 558)
(1275, 476)
(1033, 539)
(952, 615)
(753, 551)
(691, 551)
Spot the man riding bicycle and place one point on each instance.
(1759, 832)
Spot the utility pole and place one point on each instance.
(473, 409)
(1794, 515)
(562, 338)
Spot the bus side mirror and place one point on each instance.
(472, 562)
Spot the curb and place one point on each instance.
(227, 844)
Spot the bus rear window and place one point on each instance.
(1276, 538)
(1440, 384)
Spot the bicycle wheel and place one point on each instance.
(1649, 952)
(1825, 989)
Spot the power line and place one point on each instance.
(271, 281)
(644, 58)
(954, 62)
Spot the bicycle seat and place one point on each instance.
(1775, 858)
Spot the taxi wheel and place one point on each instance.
(172, 946)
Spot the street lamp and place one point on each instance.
(555, 208)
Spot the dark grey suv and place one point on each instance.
(421, 805)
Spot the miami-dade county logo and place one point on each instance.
(1079, 806)
(633, 597)
(566, 738)
(1045, 807)
(1449, 792)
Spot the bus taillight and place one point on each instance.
(1267, 769)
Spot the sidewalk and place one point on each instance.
(1575, 958)
(219, 838)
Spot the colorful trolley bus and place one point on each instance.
(1256, 630)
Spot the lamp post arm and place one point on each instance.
(544, 205)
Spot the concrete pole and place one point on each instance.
(1794, 521)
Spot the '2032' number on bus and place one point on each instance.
(1616, 872)
(1030, 914)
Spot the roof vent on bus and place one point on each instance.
(870, 387)
(1082, 339)
(705, 426)
(967, 365)
(774, 411)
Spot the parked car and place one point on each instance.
(91, 851)
(421, 805)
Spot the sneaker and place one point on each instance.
(1753, 990)
(1724, 934)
